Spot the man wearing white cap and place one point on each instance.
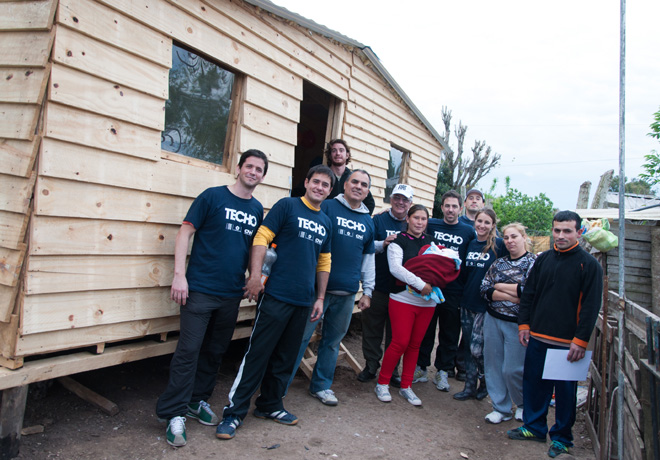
(375, 319)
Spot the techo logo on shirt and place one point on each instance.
(241, 217)
(449, 238)
(311, 225)
(478, 256)
(351, 224)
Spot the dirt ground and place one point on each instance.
(360, 427)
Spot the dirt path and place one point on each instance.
(360, 427)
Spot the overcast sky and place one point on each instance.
(538, 81)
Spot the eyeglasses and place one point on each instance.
(399, 198)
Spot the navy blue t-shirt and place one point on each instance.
(466, 220)
(474, 269)
(385, 226)
(224, 228)
(456, 237)
(301, 234)
(352, 237)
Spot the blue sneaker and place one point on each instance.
(280, 416)
(557, 448)
(227, 428)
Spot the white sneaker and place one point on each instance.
(440, 380)
(383, 392)
(420, 375)
(496, 417)
(519, 414)
(327, 397)
(410, 396)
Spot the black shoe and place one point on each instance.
(482, 392)
(365, 375)
(451, 374)
(464, 395)
(461, 376)
(395, 381)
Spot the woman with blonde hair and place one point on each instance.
(504, 356)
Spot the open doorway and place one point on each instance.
(319, 122)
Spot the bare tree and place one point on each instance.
(466, 171)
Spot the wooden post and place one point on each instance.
(11, 420)
(583, 196)
(601, 190)
(655, 270)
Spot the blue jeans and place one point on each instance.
(337, 312)
(537, 394)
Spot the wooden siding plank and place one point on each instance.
(64, 198)
(117, 29)
(86, 128)
(64, 236)
(264, 122)
(170, 20)
(52, 312)
(16, 193)
(259, 94)
(12, 229)
(18, 121)
(53, 274)
(84, 91)
(278, 152)
(30, 49)
(240, 24)
(22, 85)
(84, 164)
(11, 262)
(17, 157)
(7, 299)
(27, 15)
(96, 58)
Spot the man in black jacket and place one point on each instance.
(558, 310)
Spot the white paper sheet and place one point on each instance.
(557, 367)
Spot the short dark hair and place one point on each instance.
(363, 172)
(417, 207)
(567, 216)
(451, 194)
(328, 150)
(322, 169)
(254, 153)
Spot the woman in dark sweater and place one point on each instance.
(481, 253)
(410, 315)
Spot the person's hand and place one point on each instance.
(575, 353)
(253, 288)
(317, 310)
(427, 289)
(364, 303)
(179, 291)
(523, 337)
(388, 240)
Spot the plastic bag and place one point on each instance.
(597, 234)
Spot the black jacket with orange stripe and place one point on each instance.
(562, 296)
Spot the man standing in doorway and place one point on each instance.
(474, 202)
(224, 221)
(375, 320)
(558, 310)
(302, 234)
(352, 261)
(454, 235)
(338, 155)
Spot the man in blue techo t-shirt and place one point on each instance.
(302, 233)
(224, 221)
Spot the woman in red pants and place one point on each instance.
(410, 315)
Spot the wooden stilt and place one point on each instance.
(11, 420)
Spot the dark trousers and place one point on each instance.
(270, 357)
(447, 317)
(537, 394)
(375, 323)
(207, 324)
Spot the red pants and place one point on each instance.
(409, 324)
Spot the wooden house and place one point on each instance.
(116, 114)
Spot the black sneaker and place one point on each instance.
(365, 375)
(451, 374)
(280, 416)
(523, 434)
(395, 381)
(557, 448)
(464, 395)
(461, 376)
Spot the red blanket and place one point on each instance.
(432, 268)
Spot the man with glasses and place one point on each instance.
(376, 319)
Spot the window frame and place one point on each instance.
(403, 173)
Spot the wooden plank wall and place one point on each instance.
(107, 201)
